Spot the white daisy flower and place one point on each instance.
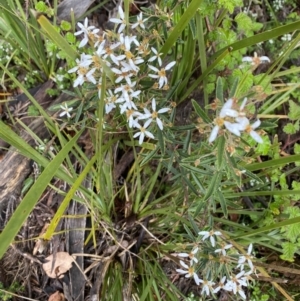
(191, 255)
(156, 56)
(246, 258)
(188, 272)
(66, 110)
(139, 21)
(226, 111)
(244, 125)
(86, 31)
(143, 132)
(256, 60)
(210, 234)
(206, 287)
(154, 115)
(120, 21)
(161, 74)
(223, 249)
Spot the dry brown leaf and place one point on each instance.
(57, 296)
(62, 263)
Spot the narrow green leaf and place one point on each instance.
(221, 151)
(26, 206)
(56, 37)
(62, 208)
(260, 37)
(194, 225)
(219, 89)
(190, 184)
(193, 28)
(8, 135)
(223, 204)
(149, 157)
(200, 112)
(261, 192)
(278, 225)
(187, 141)
(183, 127)
(161, 141)
(179, 28)
(234, 87)
(212, 186)
(202, 77)
(274, 163)
(172, 90)
(149, 188)
(195, 169)
(201, 205)
(200, 186)
(253, 176)
(189, 232)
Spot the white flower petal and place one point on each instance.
(256, 137)
(247, 59)
(153, 68)
(233, 128)
(213, 135)
(243, 104)
(243, 122)
(241, 293)
(115, 20)
(264, 59)
(256, 124)
(121, 12)
(163, 110)
(230, 113)
(184, 264)
(180, 271)
(197, 279)
(170, 65)
(227, 106)
(183, 255)
(159, 123)
(150, 135)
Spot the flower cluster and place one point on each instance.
(237, 274)
(286, 37)
(278, 4)
(131, 59)
(235, 121)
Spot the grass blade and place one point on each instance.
(26, 206)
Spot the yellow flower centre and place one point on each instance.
(191, 271)
(219, 121)
(96, 61)
(154, 114)
(100, 39)
(82, 71)
(108, 50)
(127, 88)
(256, 60)
(129, 113)
(162, 72)
(248, 129)
(129, 55)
